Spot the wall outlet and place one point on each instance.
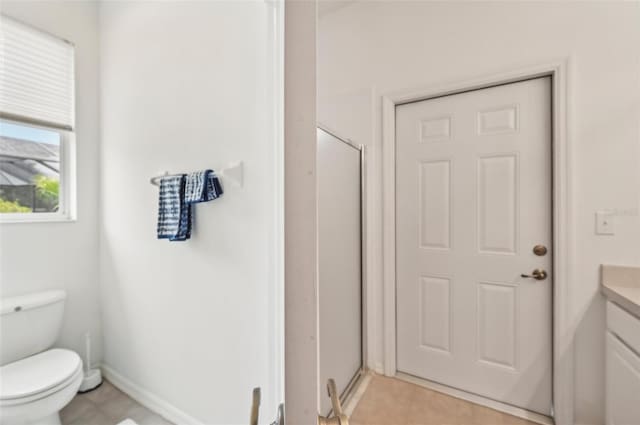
(604, 223)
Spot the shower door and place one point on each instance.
(339, 263)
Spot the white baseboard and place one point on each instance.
(148, 399)
(473, 398)
(356, 395)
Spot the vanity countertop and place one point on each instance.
(621, 284)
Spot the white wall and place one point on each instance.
(367, 49)
(41, 256)
(185, 86)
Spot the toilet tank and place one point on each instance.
(29, 324)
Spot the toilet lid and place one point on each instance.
(37, 373)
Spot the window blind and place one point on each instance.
(36, 76)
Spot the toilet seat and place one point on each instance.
(38, 376)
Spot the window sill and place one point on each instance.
(18, 218)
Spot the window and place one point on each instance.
(36, 124)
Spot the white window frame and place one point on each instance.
(67, 175)
(67, 200)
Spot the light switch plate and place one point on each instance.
(604, 223)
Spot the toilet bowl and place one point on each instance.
(37, 381)
(36, 388)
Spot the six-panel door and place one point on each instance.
(473, 198)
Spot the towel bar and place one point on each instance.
(233, 173)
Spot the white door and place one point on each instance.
(473, 198)
(339, 264)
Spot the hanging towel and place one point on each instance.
(174, 215)
(202, 186)
(214, 188)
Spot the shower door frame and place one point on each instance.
(353, 383)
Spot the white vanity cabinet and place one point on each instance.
(623, 367)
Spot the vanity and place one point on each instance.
(621, 287)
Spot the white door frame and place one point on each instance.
(300, 214)
(563, 332)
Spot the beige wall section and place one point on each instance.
(368, 49)
(41, 256)
(301, 302)
(185, 86)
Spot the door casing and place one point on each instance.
(563, 332)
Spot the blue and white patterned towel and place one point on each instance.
(214, 188)
(174, 215)
(202, 186)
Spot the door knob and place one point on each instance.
(338, 418)
(537, 274)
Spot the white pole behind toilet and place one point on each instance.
(92, 377)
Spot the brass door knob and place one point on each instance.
(537, 274)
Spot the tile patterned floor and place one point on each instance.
(386, 401)
(107, 405)
(389, 401)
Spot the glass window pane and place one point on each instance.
(29, 169)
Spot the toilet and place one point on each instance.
(37, 380)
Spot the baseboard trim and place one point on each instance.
(356, 395)
(473, 398)
(148, 399)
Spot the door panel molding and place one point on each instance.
(563, 329)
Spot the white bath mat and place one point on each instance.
(128, 422)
